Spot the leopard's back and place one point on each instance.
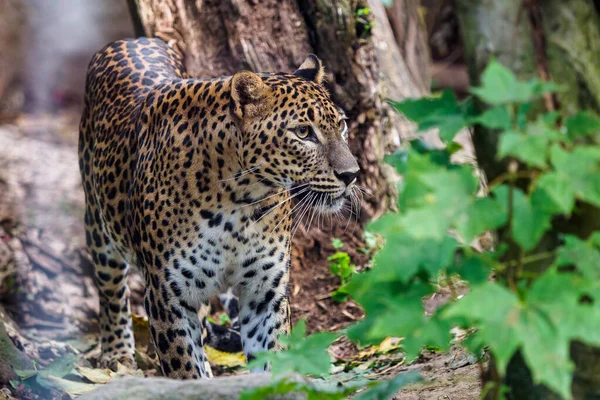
(119, 80)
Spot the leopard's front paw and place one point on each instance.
(118, 361)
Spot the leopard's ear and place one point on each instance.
(311, 69)
(249, 95)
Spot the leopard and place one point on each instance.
(196, 183)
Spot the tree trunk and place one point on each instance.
(555, 40)
(411, 37)
(12, 24)
(221, 37)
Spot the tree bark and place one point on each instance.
(221, 37)
(411, 37)
(553, 40)
(12, 32)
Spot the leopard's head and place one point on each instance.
(294, 136)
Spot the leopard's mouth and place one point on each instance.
(324, 202)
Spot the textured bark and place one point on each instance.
(12, 24)
(220, 37)
(511, 31)
(223, 388)
(411, 37)
(572, 29)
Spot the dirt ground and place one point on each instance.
(45, 275)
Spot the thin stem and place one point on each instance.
(533, 258)
(511, 176)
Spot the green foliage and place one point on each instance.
(337, 243)
(304, 354)
(443, 112)
(331, 390)
(500, 87)
(284, 386)
(387, 389)
(582, 124)
(224, 319)
(46, 378)
(341, 266)
(364, 20)
(551, 170)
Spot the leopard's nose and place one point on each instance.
(348, 177)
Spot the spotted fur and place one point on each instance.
(190, 181)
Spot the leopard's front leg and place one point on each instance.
(176, 332)
(264, 313)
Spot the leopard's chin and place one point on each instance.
(331, 205)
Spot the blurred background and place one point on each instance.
(45, 47)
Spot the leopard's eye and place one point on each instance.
(303, 132)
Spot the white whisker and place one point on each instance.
(305, 209)
(287, 215)
(280, 203)
(268, 197)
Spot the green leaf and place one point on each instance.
(545, 125)
(530, 220)
(495, 118)
(453, 147)
(396, 311)
(582, 168)
(500, 86)
(494, 310)
(506, 325)
(435, 331)
(545, 351)
(582, 124)
(284, 386)
(527, 148)
(584, 255)
(559, 296)
(522, 112)
(402, 257)
(387, 389)
(339, 264)
(443, 112)
(556, 189)
(337, 243)
(59, 367)
(398, 160)
(434, 200)
(484, 214)
(339, 295)
(224, 319)
(473, 268)
(305, 355)
(72, 388)
(25, 373)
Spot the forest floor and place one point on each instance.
(48, 301)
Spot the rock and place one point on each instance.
(222, 388)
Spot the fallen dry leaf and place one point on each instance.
(389, 344)
(95, 375)
(141, 331)
(223, 359)
(72, 388)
